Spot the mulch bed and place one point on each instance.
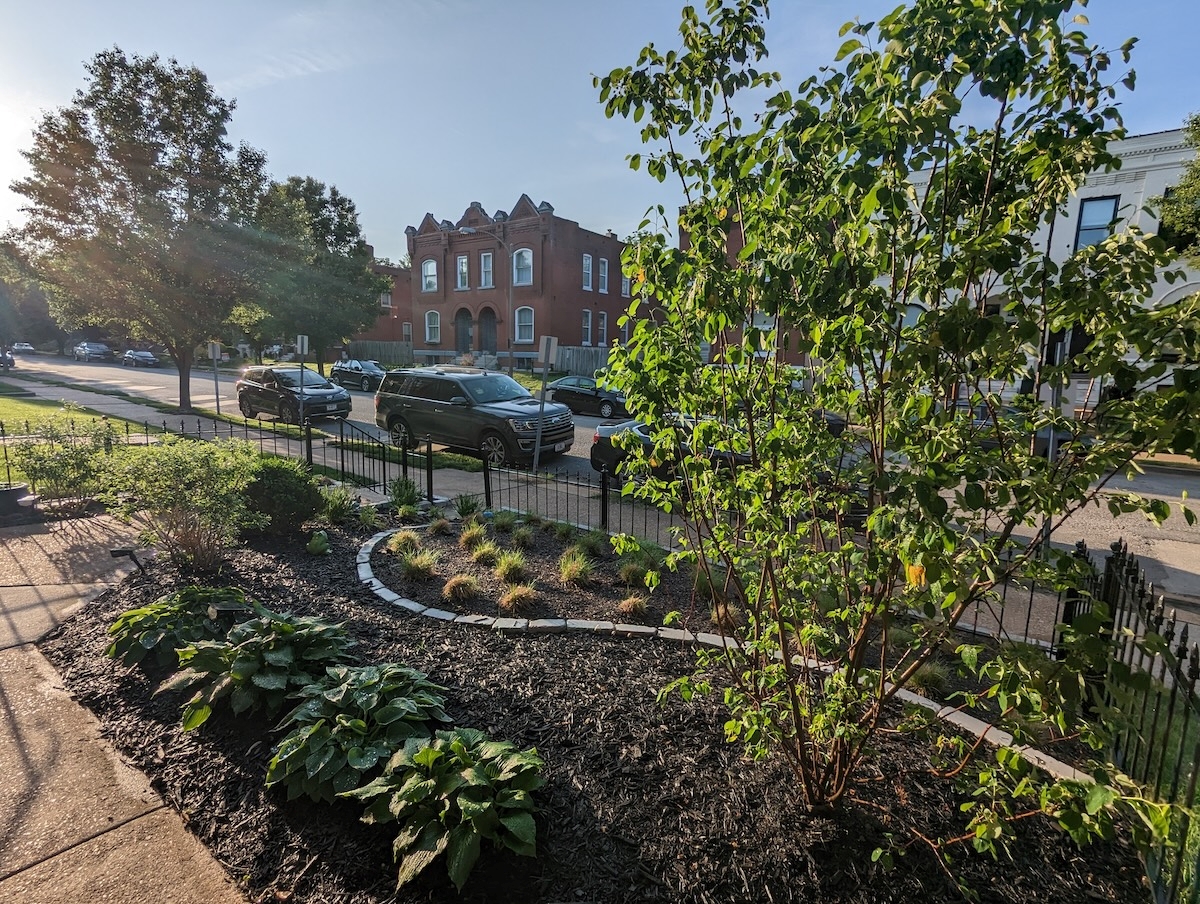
(643, 801)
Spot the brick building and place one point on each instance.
(395, 320)
(494, 285)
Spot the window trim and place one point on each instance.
(602, 277)
(433, 328)
(487, 274)
(516, 281)
(602, 329)
(429, 275)
(1079, 230)
(406, 332)
(586, 331)
(462, 273)
(385, 300)
(517, 340)
(587, 273)
(625, 286)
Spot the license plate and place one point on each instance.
(331, 407)
(559, 447)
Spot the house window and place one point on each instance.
(1095, 217)
(462, 278)
(429, 276)
(485, 270)
(587, 273)
(587, 327)
(625, 332)
(625, 286)
(603, 275)
(522, 267)
(385, 300)
(524, 325)
(433, 327)
(406, 331)
(602, 327)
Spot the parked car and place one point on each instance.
(583, 395)
(277, 391)
(364, 375)
(483, 412)
(6, 359)
(136, 358)
(23, 348)
(93, 351)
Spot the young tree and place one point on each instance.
(878, 223)
(1181, 208)
(136, 205)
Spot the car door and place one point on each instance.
(569, 394)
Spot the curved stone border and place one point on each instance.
(948, 714)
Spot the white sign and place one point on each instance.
(302, 345)
(214, 351)
(548, 353)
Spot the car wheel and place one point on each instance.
(365, 385)
(247, 408)
(493, 449)
(290, 414)
(399, 434)
(606, 409)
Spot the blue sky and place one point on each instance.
(411, 106)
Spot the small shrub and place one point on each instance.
(486, 553)
(349, 723)
(64, 456)
(404, 492)
(285, 492)
(402, 542)
(564, 531)
(408, 514)
(633, 606)
(727, 616)
(258, 664)
(574, 567)
(517, 598)
(472, 535)
(632, 574)
(522, 538)
(173, 621)
(460, 588)
(533, 519)
(368, 517)
(439, 527)
(339, 504)
(595, 543)
(450, 794)
(511, 567)
(467, 505)
(419, 565)
(930, 678)
(504, 521)
(435, 513)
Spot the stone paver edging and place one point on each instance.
(947, 714)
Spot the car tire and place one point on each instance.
(290, 414)
(606, 409)
(246, 407)
(494, 449)
(399, 433)
(365, 384)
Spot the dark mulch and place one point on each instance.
(643, 802)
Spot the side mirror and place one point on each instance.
(459, 401)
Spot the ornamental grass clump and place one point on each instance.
(472, 535)
(451, 794)
(419, 565)
(404, 492)
(467, 505)
(338, 504)
(511, 567)
(439, 527)
(504, 521)
(633, 606)
(522, 537)
(460, 588)
(175, 620)
(258, 664)
(517, 598)
(486, 553)
(403, 542)
(349, 723)
(574, 567)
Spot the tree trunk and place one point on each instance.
(183, 356)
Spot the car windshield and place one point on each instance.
(373, 367)
(495, 388)
(291, 378)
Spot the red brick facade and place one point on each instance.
(395, 308)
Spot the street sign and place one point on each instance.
(302, 345)
(548, 353)
(214, 351)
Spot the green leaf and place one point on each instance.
(461, 854)
(521, 825)
(431, 842)
(195, 716)
(271, 681)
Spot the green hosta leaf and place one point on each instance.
(461, 854)
(346, 780)
(242, 699)
(361, 759)
(416, 788)
(195, 716)
(431, 842)
(397, 709)
(282, 657)
(271, 681)
(318, 759)
(521, 825)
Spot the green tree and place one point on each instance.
(865, 224)
(1180, 209)
(137, 204)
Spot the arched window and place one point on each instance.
(429, 275)
(524, 325)
(523, 267)
(433, 327)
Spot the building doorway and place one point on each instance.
(487, 331)
(462, 331)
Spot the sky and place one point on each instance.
(416, 106)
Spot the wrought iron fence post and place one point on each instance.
(487, 484)
(1072, 598)
(308, 441)
(429, 469)
(342, 451)
(604, 498)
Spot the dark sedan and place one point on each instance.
(584, 395)
(136, 358)
(357, 374)
(93, 351)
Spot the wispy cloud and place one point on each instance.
(280, 67)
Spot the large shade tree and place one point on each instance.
(137, 205)
(889, 223)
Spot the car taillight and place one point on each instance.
(596, 437)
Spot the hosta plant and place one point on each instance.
(452, 793)
(350, 722)
(173, 621)
(257, 665)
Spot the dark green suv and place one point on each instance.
(480, 411)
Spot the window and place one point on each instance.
(603, 275)
(522, 267)
(385, 300)
(625, 332)
(433, 327)
(429, 276)
(485, 270)
(462, 277)
(524, 325)
(1095, 216)
(625, 286)
(587, 273)
(602, 328)
(587, 327)
(406, 331)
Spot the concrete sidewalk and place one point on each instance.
(77, 823)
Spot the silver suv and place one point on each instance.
(483, 412)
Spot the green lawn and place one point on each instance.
(14, 412)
